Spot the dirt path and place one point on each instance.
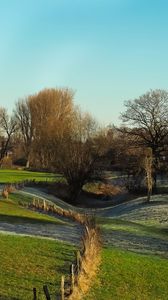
(70, 232)
(154, 214)
(137, 243)
(137, 211)
(66, 233)
(39, 193)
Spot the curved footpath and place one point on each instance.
(146, 225)
(135, 211)
(65, 233)
(70, 231)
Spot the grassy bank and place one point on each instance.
(28, 262)
(12, 212)
(12, 176)
(109, 224)
(126, 275)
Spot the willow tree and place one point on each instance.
(80, 150)
(43, 117)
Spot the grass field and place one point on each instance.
(155, 230)
(11, 176)
(138, 274)
(12, 212)
(126, 275)
(28, 262)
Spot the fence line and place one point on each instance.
(87, 258)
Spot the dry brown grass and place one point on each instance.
(51, 208)
(108, 189)
(90, 260)
(8, 189)
(5, 194)
(87, 263)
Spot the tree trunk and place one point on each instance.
(149, 195)
(155, 169)
(27, 164)
(154, 181)
(75, 191)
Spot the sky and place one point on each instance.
(107, 51)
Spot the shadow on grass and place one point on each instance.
(2, 297)
(135, 242)
(132, 206)
(142, 227)
(23, 220)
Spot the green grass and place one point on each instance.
(91, 187)
(124, 275)
(108, 224)
(11, 176)
(27, 262)
(12, 212)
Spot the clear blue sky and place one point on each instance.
(108, 51)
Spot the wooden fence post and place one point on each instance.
(62, 288)
(78, 261)
(72, 278)
(34, 294)
(46, 292)
(34, 202)
(44, 205)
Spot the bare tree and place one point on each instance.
(8, 126)
(24, 119)
(148, 162)
(146, 121)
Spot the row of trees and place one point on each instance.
(56, 135)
